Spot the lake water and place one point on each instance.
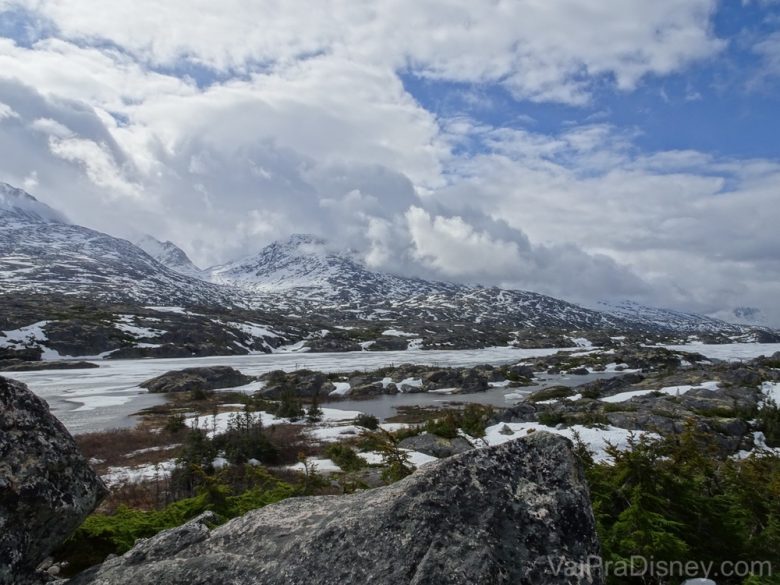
(107, 397)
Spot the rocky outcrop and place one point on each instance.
(304, 383)
(435, 446)
(197, 379)
(22, 366)
(507, 514)
(46, 486)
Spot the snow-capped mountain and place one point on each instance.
(302, 278)
(20, 204)
(170, 255)
(743, 315)
(41, 253)
(307, 265)
(303, 274)
(667, 318)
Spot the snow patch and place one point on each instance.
(342, 389)
(669, 390)
(595, 438)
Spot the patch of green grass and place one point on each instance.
(104, 534)
(550, 418)
(553, 393)
(345, 457)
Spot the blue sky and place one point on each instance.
(727, 104)
(589, 150)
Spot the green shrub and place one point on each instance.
(367, 421)
(550, 418)
(289, 407)
(676, 499)
(245, 439)
(474, 419)
(104, 534)
(768, 418)
(314, 412)
(445, 427)
(345, 457)
(176, 423)
(201, 394)
(554, 393)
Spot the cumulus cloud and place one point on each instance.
(539, 50)
(224, 127)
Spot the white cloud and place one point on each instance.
(454, 248)
(222, 127)
(545, 51)
(769, 50)
(7, 111)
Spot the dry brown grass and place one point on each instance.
(290, 442)
(112, 448)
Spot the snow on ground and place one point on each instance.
(515, 395)
(772, 391)
(125, 323)
(216, 424)
(615, 367)
(393, 427)
(419, 459)
(760, 448)
(177, 310)
(413, 382)
(342, 389)
(595, 438)
(670, 390)
(729, 351)
(299, 347)
(27, 336)
(443, 391)
(415, 457)
(136, 474)
(581, 341)
(320, 465)
(151, 450)
(372, 457)
(250, 388)
(333, 434)
(397, 333)
(501, 384)
(337, 415)
(253, 329)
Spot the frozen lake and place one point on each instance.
(106, 397)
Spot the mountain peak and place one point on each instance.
(168, 254)
(17, 202)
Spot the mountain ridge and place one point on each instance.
(302, 278)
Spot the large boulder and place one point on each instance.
(46, 486)
(435, 446)
(305, 383)
(508, 514)
(197, 379)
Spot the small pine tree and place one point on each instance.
(289, 406)
(314, 412)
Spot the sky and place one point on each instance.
(619, 149)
